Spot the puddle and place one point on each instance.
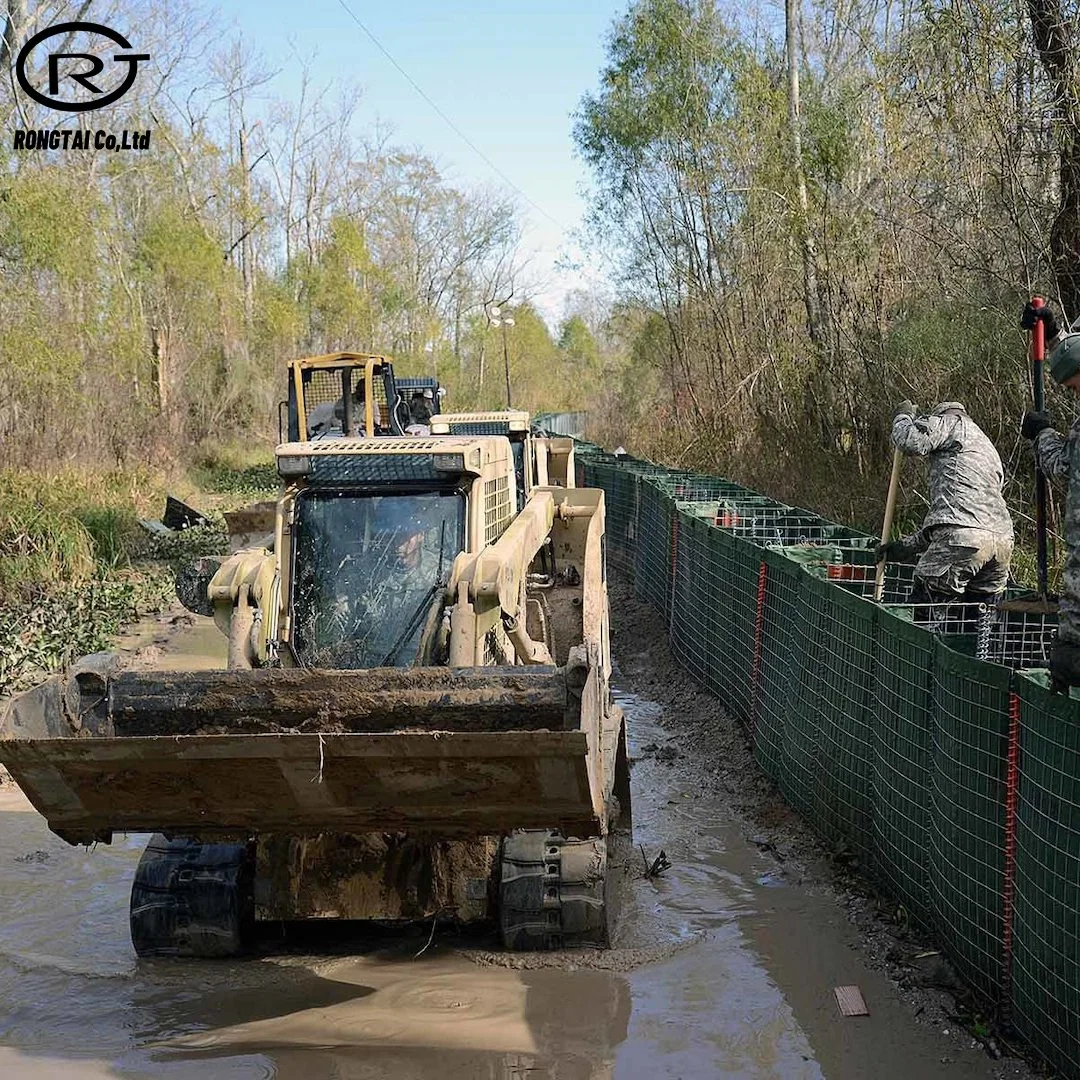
(748, 993)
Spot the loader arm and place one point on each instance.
(490, 589)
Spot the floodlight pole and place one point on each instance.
(506, 361)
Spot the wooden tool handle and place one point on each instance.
(886, 525)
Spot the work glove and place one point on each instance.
(897, 551)
(905, 408)
(1035, 422)
(1032, 315)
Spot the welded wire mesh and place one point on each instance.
(967, 818)
(694, 595)
(830, 707)
(1046, 924)
(652, 555)
(887, 726)
(1019, 639)
(900, 756)
(776, 648)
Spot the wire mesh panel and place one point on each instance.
(901, 754)
(652, 556)
(693, 593)
(620, 500)
(857, 573)
(967, 812)
(829, 772)
(781, 527)
(1046, 924)
(742, 568)
(778, 645)
(1019, 635)
(696, 487)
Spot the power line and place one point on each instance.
(446, 119)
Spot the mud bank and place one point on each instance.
(723, 967)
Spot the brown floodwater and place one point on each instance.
(723, 968)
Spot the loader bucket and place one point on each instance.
(450, 752)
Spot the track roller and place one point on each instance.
(552, 892)
(192, 899)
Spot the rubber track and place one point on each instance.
(552, 892)
(192, 899)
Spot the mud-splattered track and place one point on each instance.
(724, 965)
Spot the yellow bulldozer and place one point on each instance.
(415, 722)
(340, 393)
(539, 460)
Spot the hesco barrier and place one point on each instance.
(955, 779)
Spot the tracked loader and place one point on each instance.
(539, 460)
(415, 721)
(341, 393)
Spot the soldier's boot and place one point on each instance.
(1064, 666)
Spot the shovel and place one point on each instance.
(886, 525)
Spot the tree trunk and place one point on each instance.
(1058, 42)
(807, 248)
(160, 352)
(247, 245)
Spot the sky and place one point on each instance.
(507, 73)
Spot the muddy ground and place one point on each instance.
(724, 965)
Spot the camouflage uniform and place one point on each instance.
(1059, 456)
(966, 539)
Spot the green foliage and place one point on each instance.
(43, 632)
(243, 471)
(577, 343)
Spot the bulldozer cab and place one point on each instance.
(511, 423)
(369, 534)
(421, 396)
(343, 394)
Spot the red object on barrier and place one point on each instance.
(726, 519)
(1012, 784)
(673, 562)
(759, 626)
(849, 572)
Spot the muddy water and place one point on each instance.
(724, 968)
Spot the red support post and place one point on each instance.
(674, 565)
(1012, 785)
(759, 626)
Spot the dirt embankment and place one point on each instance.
(709, 750)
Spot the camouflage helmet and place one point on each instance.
(1065, 358)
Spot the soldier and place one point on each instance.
(329, 417)
(1059, 457)
(421, 406)
(965, 542)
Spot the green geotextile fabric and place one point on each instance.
(901, 741)
(827, 743)
(1046, 923)
(697, 595)
(967, 812)
(652, 555)
(780, 642)
(890, 739)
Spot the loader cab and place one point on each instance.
(343, 394)
(513, 424)
(422, 396)
(371, 530)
